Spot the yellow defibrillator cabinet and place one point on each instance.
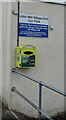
(26, 56)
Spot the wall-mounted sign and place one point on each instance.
(33, 26)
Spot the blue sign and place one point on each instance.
(33, 26)
(33, 30)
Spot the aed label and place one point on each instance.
(33, 26)
(28, 61)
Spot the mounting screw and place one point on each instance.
(51, 28)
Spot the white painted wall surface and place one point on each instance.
(50, 67)
(0, 60)
(64, 55)
(6, 51)
(1, 50)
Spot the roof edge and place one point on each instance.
(64, 4)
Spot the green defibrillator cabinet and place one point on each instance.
(26, 56)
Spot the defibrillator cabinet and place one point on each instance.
(26, 56)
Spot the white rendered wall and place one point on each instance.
(6, 51)
(1, 50)
(50, 67)
(0, 60)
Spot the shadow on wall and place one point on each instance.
(59, 116)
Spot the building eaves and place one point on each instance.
(50, 2)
